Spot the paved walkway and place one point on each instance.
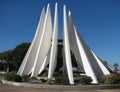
(8, 88)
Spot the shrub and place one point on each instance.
(12, 76)
(112, 79)
(102, 79)
(26, 78)
(85, 80)
(61, 80)
(33, 78)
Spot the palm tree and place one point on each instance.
(116, 66)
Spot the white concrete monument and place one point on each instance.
(43, 49)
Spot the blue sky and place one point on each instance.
(98, 21)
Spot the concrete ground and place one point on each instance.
(8, 88)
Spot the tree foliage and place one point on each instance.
(12, 76)
(85, 80)
(15, 56)
(112, 79)
(19, 53)
(116, 66)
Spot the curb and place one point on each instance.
(62, 87)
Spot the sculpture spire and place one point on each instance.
(43, 49)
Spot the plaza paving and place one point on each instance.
(8, 88)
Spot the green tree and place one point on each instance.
(6, 55)
(19, 53)
(15, 56)
(105, 62)
(116, 66)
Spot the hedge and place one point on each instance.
(12, 76)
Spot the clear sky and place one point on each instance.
(98, 21)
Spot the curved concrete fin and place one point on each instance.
(95, 65)
(103, 68)
(43, 49)
(28, 60)
(53, 53)
(45, 63)
(66, 47)
(73, 42)
(45, 43)
(86, 62)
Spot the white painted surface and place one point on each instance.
(86, 63)
(103, 68)
(53, 53)
(29, 58)
(73, 42)
(45, 43)
(43, 49)
(66, 47)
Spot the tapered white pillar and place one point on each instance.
(45, 43)
(29, 58)
(53, 53)
(79, 50)
(43, 49)
(73, 42)
(102, 66)
(85, 60)
(66, 47)
(45, 63)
